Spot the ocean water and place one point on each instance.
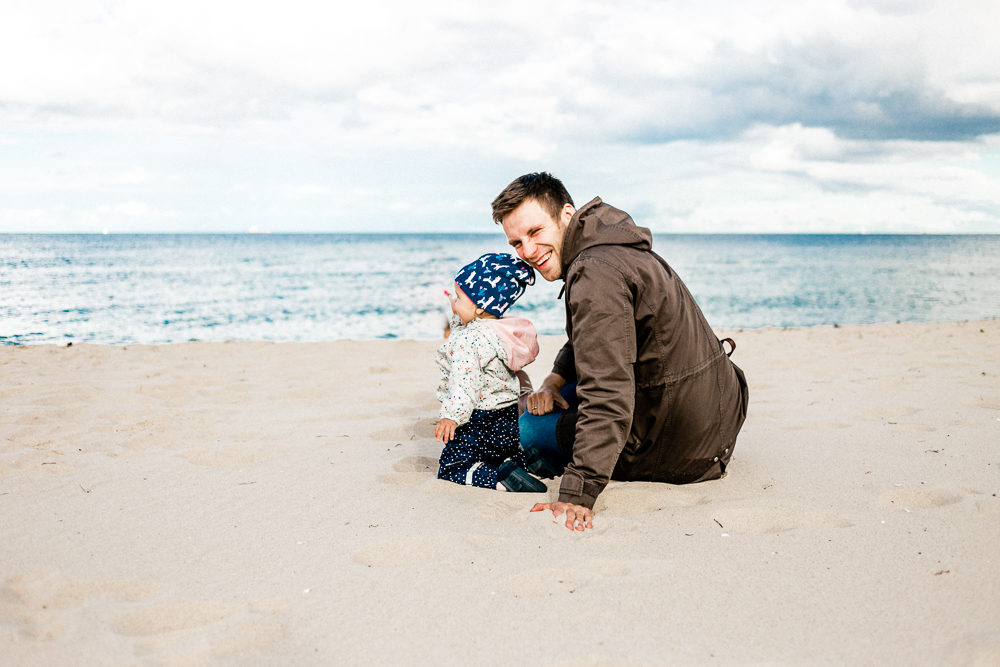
(152, 289)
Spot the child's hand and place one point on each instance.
(445, 430)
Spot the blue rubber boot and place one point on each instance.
(516, 479)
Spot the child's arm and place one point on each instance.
(465, 382)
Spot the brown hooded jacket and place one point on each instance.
(659, 399)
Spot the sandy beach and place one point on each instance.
(276, 504)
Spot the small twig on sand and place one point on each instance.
(717, 521)
(83, 489)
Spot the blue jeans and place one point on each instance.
(546, 453)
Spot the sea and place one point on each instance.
(119, 289)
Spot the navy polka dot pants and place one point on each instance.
(489, 438)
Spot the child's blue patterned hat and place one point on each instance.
(495, 281)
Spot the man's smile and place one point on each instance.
(542, 260)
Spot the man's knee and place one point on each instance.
(538, 440)
(537, 430)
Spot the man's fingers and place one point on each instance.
(542, 402)
(578, 518)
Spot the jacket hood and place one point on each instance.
(519, 340)
(599, 224)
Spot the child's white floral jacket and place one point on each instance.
(478, 362)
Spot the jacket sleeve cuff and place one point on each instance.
(585, 501)
(460, 416)
(577, 491)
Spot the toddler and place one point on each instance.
(479, 390)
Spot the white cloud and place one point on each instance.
(452, 75)
(824, 105)
(134, 176)
(14, 218)
(129, 209)
(305, 190)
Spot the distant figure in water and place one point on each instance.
(482, 380)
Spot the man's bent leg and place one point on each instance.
(538, 440)
(547, 440)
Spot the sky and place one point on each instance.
(759, 116)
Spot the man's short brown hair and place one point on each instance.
(542, 187)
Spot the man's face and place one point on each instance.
(537, 238)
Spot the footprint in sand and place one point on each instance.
(542, 583)
(32, 420)
(890, 411)
(55, 400)
(42, 604)
(975, 651)
(957, 499)
(46, 590)
(172, 617)
(416, 464)
(420, 429)
(775, 519)
(409, 550)
(173, 633)
(505, 505)
(424, 428)
(608, 567)
(411, 471)
(985, 402)
(46, 606)
(644, 497)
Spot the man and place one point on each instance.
(656, 397)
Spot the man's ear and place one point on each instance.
(566, 214)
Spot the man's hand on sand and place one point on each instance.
(543, 401)
(445, 431)
(577, 516)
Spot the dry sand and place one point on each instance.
(276, 504)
